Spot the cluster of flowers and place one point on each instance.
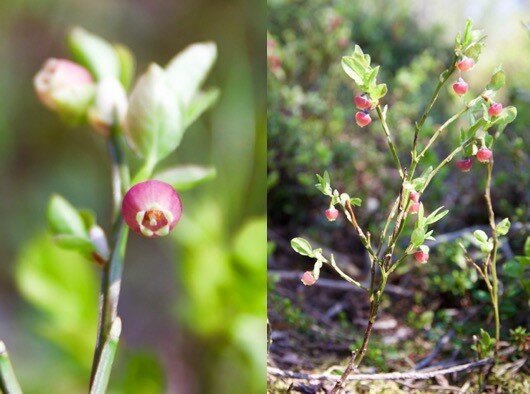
(364, 105)
(150, 208)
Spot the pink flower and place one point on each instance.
(465, 64)
(151, 208)
(414, 207)
(332, 214)
(308, 279)
(414, 196)
(421, 256)
(362, 102)
(495, 109)
(484, 155)
(465, 164)
(460, 87)
(62, 83)
(362, 119)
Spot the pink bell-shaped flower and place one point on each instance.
(151, 208)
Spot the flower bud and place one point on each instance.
(465, 64)
(484, 155)
(308, 279)
(414, 196)
(362, 102)
(460, 87)
(110, 105)
(465, 164)
(414, 207)
(362, 119)
(332, 214)
(99, 240)
(65, 87)
(421, 256)
(495, 109)
(151, 208)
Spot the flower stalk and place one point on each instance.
(8, 381)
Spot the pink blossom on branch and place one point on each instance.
(308, 279)
(58, 79)
(151, 208)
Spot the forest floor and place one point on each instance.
(312, 331)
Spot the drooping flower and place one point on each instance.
(362, 119)
(465, 164)
(151, 208)
(484, 155)
(362, 101)
(332, 214)
(465, 64)
(308, 279)
(422, 255)
(495, 109)
(460, 87)
(414, 207)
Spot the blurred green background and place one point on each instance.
(311, 128)
(192, 305)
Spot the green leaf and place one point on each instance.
(89, 218)
(94, 53)
(527, 247)
(355, 201)
(498, 80)
(127, 65)
(379, 91)
(189, 68)
(513, 269)
(324, 184)
(480, 236)
(199, 104)
(301, 246)
(418, 237)
(436, 216)
(357, 66)
(503, 227)
(186, 177)
(63, 286)
(155, 122)
(81, 244)
(64, 219)
(249, 250)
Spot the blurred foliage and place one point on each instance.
(311, 114)
(193, 306)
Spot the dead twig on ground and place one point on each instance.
(337, 284)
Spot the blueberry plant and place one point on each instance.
(480, 122)
(149, 121)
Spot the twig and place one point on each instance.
(391, 146)
(112, 272)
(8, 381)
(102, 375)
(411, 375)
(337, 284)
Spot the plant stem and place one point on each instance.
(358, 355)
(494, 292)
(112, 272)
(8, 381)
(102, 375)
(350, 215)
(419, 124)
(391, 145)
